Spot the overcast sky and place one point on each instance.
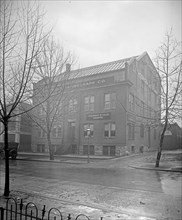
(104, 31)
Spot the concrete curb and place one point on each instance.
(51, 161)
(157, 169)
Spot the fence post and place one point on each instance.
(69, 217)
(21, 208)
(2, 213)
(43, 212)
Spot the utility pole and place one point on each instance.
(88, 148)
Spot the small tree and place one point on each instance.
(50, 68)
(169, 65)
(21, 40)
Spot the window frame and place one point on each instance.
(59, 131)
(73, 105)
(131, 102)
(131, 131)
(110, 102)
(142, 132)
(89, 102)
(110, 132)
(88, 126)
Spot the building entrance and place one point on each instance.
(71, 131)
(90, 147)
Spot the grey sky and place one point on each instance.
(104, 31)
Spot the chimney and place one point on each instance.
(68, 67)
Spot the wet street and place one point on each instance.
(111, 185)
(129, 178)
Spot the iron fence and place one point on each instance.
(17, 210)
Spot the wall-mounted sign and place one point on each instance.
(167, 132)
(91, 83)
(99, 116)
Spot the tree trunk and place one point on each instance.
(160, 146)
(51, 150)
(158, 159)
(6, 149)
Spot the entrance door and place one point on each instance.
(106, 150)
(91, 149)
(71, 131)
(112, 150)
(73, 149)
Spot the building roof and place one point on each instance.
(101, 68)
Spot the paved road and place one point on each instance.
(111, 183)
(98, 175)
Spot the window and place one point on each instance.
(59, 131)
(54, 132)
(11, 137)
(131, 131)
(141, 130)
(73, 103)
(12, 124)
(131, 102)
(71, 130)
(109, 150)
(109, 130)
(88, 126)
(41, 133)
(89, 103)
(110, 101)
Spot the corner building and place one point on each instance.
(118, 101)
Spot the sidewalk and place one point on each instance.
(170, 161)
(69, 158)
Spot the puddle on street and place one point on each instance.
(171, 183)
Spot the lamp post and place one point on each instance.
(88, 148)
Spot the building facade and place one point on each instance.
(118, 102)
(172, 137)
(19, 129)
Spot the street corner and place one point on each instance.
(149, 166)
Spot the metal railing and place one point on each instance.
(17, 210)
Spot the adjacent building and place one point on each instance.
(19, 130)
(117, 102)
(172, 137)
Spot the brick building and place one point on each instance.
(118, 101)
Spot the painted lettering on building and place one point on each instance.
(91, 83)
(99, 116)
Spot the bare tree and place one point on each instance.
(169, 65)
(22, 37)
(50, 68)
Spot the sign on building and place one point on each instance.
(167, 132)
(99, 116)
